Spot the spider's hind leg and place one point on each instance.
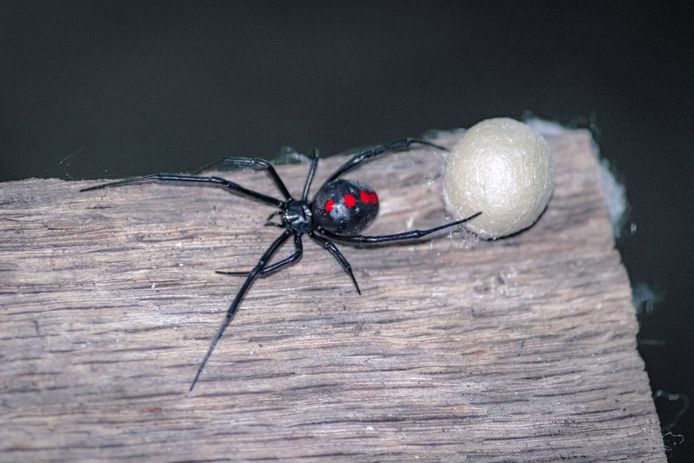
(394, 147)
(342, 260)
(408, 235)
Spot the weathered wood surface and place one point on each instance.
(521, 349)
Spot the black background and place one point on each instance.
(106, 89)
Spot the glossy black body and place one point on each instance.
(298, 217)
(345, 207)
(340, 210)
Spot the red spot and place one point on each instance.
(368, 197)
(350, 200)
(329, 205)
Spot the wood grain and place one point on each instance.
(516, 350)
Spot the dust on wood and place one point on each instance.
(521, 349)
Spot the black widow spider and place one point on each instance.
(339, 211)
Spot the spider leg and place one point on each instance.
(412, 234)
(311, 173)
(332, 249)
(270, 223)
(228, 184)
(296, 255)
(239, 297)
(359, 158)
(254, 163)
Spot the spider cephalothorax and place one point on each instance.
(339, 211)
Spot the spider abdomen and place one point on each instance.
(345, 206)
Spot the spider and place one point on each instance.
(339, 211)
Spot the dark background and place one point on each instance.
(107, 89)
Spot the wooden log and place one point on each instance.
(521, 349)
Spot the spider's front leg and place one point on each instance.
(191, 179)
(254, 163)
(250, 278)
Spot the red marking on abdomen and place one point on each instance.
(368, 197)
(350, 200)
(329, 205)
